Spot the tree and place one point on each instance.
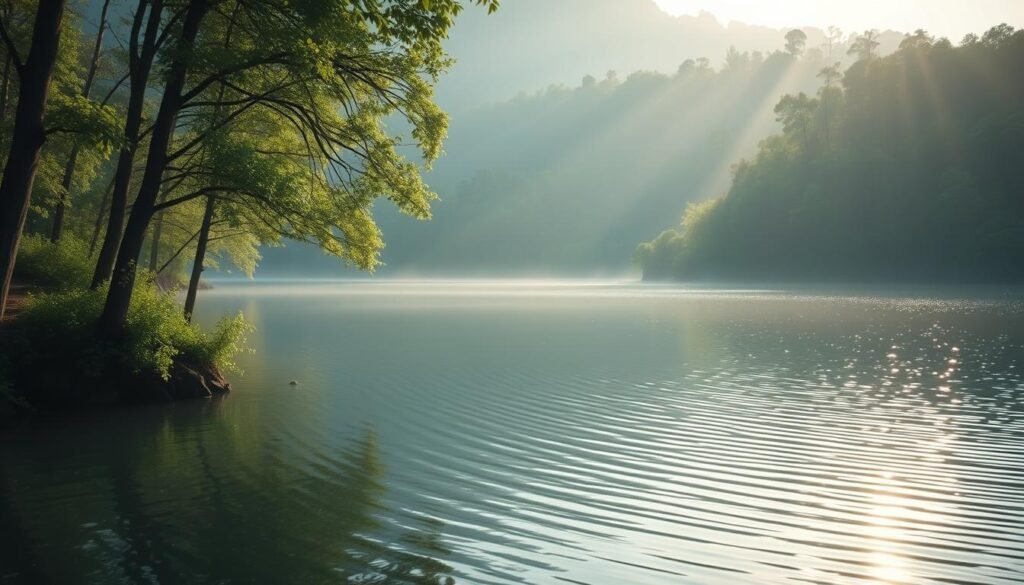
(909, 192)
(796, 112)
(34, 74)
(865, 46)
(736, 61)
(833, 38)
(145, 40)
(920, 40)
(998, 35)
(796, 41)
(72, 162)
(115, 310)
(831, 75)
(302, 61)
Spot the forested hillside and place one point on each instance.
(905, 167)
(569, 179)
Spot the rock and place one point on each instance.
(293, 383)
(186, 381)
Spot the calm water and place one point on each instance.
(552, 433)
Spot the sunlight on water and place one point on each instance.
(557, 431)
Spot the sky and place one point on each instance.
(949, 18)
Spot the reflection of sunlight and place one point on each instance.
(893, 510)
(885, 531)
(888, 568)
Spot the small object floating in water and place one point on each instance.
(293, 383)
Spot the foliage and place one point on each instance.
(909, 172)
(71, 119)
(59, 328)
(84, 122)
(45, 264)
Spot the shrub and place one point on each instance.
(63, 265)
(56, 330)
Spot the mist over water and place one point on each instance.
(555, 432)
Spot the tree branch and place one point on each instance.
(19, 65)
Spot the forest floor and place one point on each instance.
(17, 297)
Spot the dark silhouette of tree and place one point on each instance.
(865, 46)
(919, 40)
(796, 41)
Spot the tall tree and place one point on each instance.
(144, 41)
(865, 46)
(307, 63)
(831, 75)
(115, 310)
(833, 38)
(34, 73)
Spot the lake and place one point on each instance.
(552, 432)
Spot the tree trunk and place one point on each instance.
(197, 264)
(824, 105)
(28, 136)
(58, 213)
(99, 218)
(5, 88)
(154, 243)
(140, 66)
(69, 168)
(115, 310)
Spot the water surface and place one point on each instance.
(591, 433)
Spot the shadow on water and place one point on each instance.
(181, 496)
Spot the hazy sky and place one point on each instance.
(950, 18)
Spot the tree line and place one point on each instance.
(900, 168)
